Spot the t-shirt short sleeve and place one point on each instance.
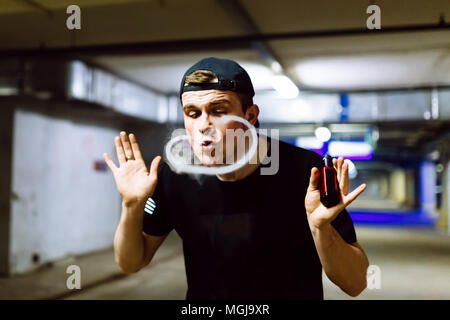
(157, 220)
(343, 222)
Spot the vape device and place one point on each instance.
(329, 187)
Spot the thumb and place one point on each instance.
(154, 166)
(314, 179)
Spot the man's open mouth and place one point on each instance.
(206, 143)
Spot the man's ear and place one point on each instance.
(251, 115)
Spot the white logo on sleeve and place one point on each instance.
(150, 206)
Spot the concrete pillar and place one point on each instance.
(6, 121)
(428, 187)
(410, 200)
(398, 185)
(444, 220)
(446, 199)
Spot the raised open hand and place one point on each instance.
(318, 214)
(134, 182)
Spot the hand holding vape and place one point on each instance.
(329, 186)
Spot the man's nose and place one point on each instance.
(205, 124)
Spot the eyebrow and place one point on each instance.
(215, 102)
(220, 101)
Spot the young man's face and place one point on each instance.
(202, 110)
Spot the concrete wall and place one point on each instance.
(61, 197)
(388, 186)
(62, 206)
(377, 182)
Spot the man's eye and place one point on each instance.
(193, 114)
(220, 111)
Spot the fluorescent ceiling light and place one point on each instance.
(285, 87)
(373, 70)
(309, 143)
(259, 74)
(79, 77)
(8, 91)
(357, 150)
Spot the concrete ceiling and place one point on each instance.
(327, 60)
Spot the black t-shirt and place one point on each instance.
(247, 239)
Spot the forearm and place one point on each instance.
(129, 245)
(344, 264)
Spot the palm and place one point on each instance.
(318, 214)
(134, 182)
(312, 202)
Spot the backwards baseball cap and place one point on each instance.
(231, 77)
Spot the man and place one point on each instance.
(245, 235)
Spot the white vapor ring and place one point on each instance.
(194, 169)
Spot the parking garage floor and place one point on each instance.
(413, 264)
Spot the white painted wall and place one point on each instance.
(63, 206)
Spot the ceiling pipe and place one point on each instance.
(197, 44)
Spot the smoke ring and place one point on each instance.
(193, 169)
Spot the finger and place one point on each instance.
(354, 194)
(336, 167)
(339, 162)
(119, 150)
(154, 166)
(344, 178)
(126, 145)
(342, 169)
(335, 163)
(135, 147)
(109, 162)
(314, 179)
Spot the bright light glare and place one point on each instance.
(309, 143)
(352, 172)
(323, 134)
(359, 71)
(276, 67)
(285, 87)
(77, 84)
(354, 149)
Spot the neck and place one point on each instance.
(248, 168)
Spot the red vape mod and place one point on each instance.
(329, 186)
